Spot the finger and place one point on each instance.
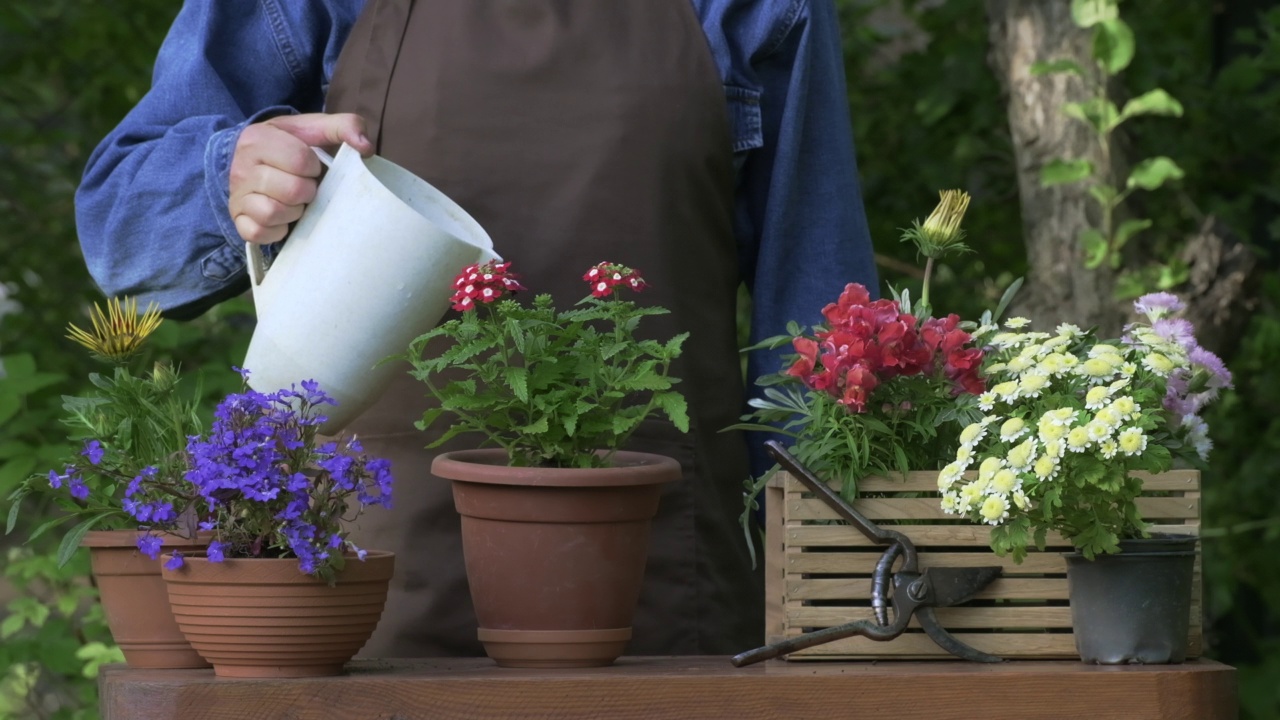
(264, 144)
(251, 231)
(324, 129)
(279, 185)
(267, 220)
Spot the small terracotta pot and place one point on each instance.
(135, 600)
(555, 556)
(263, 618)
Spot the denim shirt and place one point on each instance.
(152, 208)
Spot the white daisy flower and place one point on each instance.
(1012, 429)
(994, 509)
(1132, 441)
(1017, 322)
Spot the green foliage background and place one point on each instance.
(928, 115)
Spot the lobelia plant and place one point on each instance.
(880, 387)
(1070, 420)
(272, 490)
(553, 388)
(133, 431)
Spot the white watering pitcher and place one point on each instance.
(368, 267)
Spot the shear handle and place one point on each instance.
(873, 532)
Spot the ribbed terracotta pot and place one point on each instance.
(263, 618)
(135, 600)
(555, 556)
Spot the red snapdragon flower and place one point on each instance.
(606, 276)
(483, 284)
(867, 343)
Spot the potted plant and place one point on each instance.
(280, 591)
(555, 518)
(1070, 420)
(880, 387)
(125, 486)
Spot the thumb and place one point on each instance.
(326, 129)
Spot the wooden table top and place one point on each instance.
(684, 688)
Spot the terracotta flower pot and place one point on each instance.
(263, 618)
(555, 556)
(135, 601)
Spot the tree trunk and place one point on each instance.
(1059, 288)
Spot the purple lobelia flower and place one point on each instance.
(150, 545)
(93, 450)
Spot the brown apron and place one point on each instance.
(575, 132)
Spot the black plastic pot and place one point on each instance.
(1133, 606)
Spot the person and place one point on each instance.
(706, 142)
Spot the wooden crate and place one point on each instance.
(818, 572)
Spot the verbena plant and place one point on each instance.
(557, 388)
(1070, 418)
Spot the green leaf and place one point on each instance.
(1094, 246)
(9, 406)
(518, 380)
(1007, 298)
(1104, 194)
(13, 448)
(676, 409)
(18, 365)
(1127, 230)
(1099, 113)
(1055, 66)
(12, 625)
(1087, 13)
(12, 520)
(48, 525)
(1153, 102)
(71, 541)
(1113, 45)
(1154, 172)
(1060, 172)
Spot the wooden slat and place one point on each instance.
(855, 589)
(874, 509)
(1036, 563)
(919, 646)
(926, 535)
(1172, 481)
(957, 617)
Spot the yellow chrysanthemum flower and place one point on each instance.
(1097, 396)
(1031, 385)
(1125, 406)
(1109, 416)
(1046, 467)
(1132, 441)
(969, 496)
(1006, 390)
(949, 476)
(1158, 364)
(987, 401)
(1098, 431)
(1055, 448)
(1004, 482)
(1021, 363)
(119, 332)
(1021, 456)
(1078, 439)
(1097, 367)
(1017, 322)
(1020, 500)
(989, 467)
(972, 434)
(1108, 448)
(994, 509)
(1012, 429)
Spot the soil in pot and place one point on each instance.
(135, 601)
(555, 557)
(263, 618)
(1133, 607)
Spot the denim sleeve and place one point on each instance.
(151, 210)
(800, 211)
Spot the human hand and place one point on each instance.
(274, 171)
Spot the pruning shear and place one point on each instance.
(915, 593)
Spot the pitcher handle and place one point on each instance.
(256, 261)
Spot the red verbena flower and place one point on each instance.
(483, 284)
(606, 276)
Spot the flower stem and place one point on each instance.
(924, 292)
